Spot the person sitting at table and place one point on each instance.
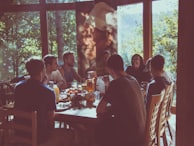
(165, 74)
(123, 122)
(159, 82)
(33, 95)
(137, 69)
(67, 70)
(52, 73)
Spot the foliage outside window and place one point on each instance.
(165, 27)
(165, 32)
(21, 34)
(130, 31)
(61, 32)
(20, 39)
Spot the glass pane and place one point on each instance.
(62, 33)
(18, 2)
(65, 1)
(130, 31)
(165, 28)
(20, 39)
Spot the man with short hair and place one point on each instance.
(33, 95)
(67, 70)
(123, 123)
(52, 73)
(159, 82)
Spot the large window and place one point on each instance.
(61, 32)
(20, 38)
(130, 31)
(23, 35)
(165, 28)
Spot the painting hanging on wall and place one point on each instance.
(96, 36)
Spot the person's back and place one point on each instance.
(127, 123)
(159, 81)
(31, 95)
(155, 87)
(128, 109)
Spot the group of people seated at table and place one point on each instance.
(141, 71)
(123, 123)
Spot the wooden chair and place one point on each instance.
(151, 123)
(169, 107)
(11, 127)
(163, 115)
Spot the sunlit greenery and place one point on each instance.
(20, 39)
(165, 33)
(62, 32)
(20, 36)
(130, 31)
(164, 28)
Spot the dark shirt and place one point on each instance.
(69, 75)
(155, 87)
(128, 109)
(139, 73)
(32, 95)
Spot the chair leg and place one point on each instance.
(170, 132)
(164, 139)
(158, 141)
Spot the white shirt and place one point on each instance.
(56, 77)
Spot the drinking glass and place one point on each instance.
(90, 86)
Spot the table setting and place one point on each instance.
(76, 98)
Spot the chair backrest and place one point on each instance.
(170, 99)
(163, 110)
(14, 126)
(152, 114)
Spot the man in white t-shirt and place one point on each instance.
(52, 73)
